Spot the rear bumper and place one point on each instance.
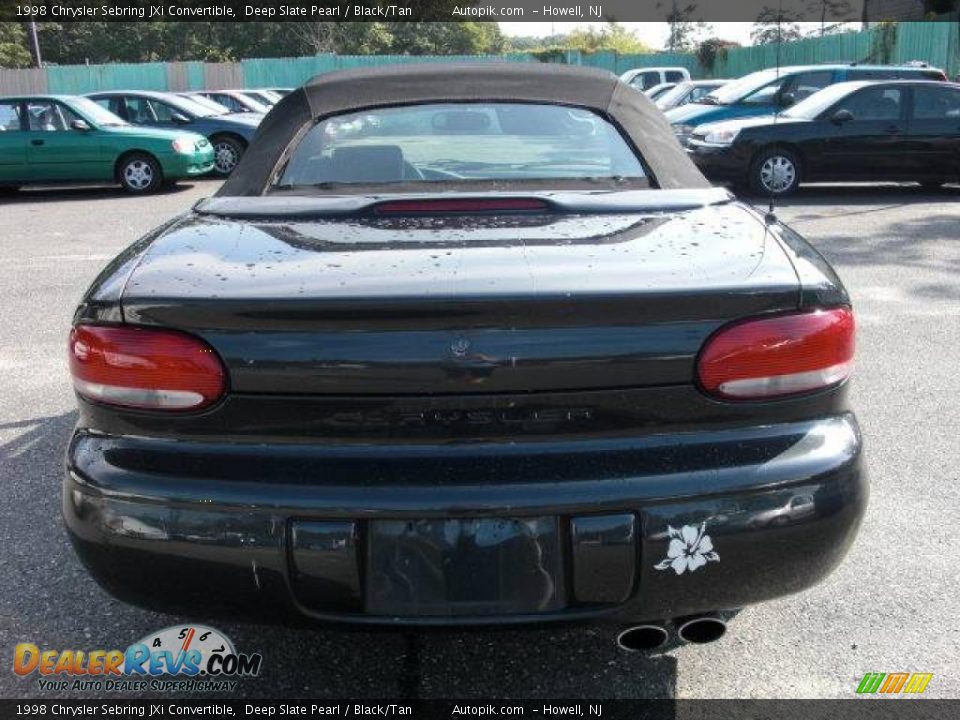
(595, 525)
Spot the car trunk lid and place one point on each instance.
(618, 292)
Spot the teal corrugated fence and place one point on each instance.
(937, 43)
(79, 79)
(934, 42)
(629, 62)
(845, 47)
(290, 72)
(195, 75)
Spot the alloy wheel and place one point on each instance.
(138, 175)
(225, 157)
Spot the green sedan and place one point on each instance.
(47, 139)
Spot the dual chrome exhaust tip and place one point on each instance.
(642, 637)
(695, 629)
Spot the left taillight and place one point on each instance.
(146, 368)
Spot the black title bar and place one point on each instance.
(577, 709)
(829, 11)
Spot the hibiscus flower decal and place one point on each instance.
(690, 548)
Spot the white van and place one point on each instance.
(646, 78)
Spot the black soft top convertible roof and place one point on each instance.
(352, 90)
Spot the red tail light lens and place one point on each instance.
(777, 356)
(463, 205)
(145, 368)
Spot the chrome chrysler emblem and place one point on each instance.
(460, 347)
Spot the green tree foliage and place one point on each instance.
(940, 7)
(684, 30)
(528, 43)
(80, 42)
(884, 42)
(711, 50)
(612, 36)
(13, 46)
(829, 14)
(355, 38)
(103, 42)
(446, 38)
(772, 26)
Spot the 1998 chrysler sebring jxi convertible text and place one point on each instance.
(464, 345)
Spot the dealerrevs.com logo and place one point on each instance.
(178, 658)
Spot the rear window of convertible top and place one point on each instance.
(460, 142)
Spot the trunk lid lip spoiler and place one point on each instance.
(579, 203)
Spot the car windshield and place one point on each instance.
(253, 103)
(811, 107)
(189, 105)
(262, 97)
(657, 91)
(461, 142)
(674, 94)
(739, 89)
(95, 113)
(211, 105)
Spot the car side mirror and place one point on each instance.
(81, 125)
(788, 99)
(180, 118)
(841, 116)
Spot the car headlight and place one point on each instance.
(184, 145)
(721, 136)
(682, 130)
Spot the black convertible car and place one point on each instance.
(465, 345)
(906, 130)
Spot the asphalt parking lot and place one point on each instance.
(892, 606)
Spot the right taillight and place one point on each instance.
(779, 355)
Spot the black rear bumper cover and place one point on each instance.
(160, 525)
